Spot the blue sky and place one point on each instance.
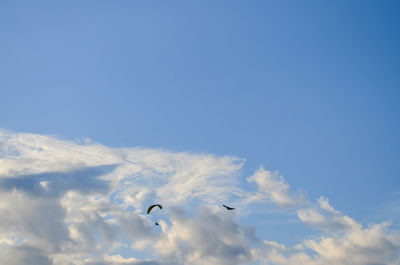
(308, 89)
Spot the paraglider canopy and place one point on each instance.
(152, 206)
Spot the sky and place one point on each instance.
(286, 111)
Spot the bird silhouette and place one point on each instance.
(157, 223)
(228, 208)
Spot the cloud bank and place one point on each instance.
(78, 202)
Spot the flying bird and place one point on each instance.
(157, 223)
(228, 208)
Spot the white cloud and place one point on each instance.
(23, 254)
(315, 218)
(64, 202)
(119, 260)
(346, 242)
(371, 245)
(212, 238)
(365, 246)
(324, 204)
(272, 186)
(66, 197)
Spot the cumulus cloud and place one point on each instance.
(23, 254)
(271, 186)
(77, 201)
(315, 218)
(345, 241)
(68, 202)
(363, 246)
(324, 204)
(209, 237)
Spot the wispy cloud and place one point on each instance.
(65, 202)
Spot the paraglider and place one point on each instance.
(228, 208)
(152, 206)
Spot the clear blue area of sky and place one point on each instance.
(309, 88)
